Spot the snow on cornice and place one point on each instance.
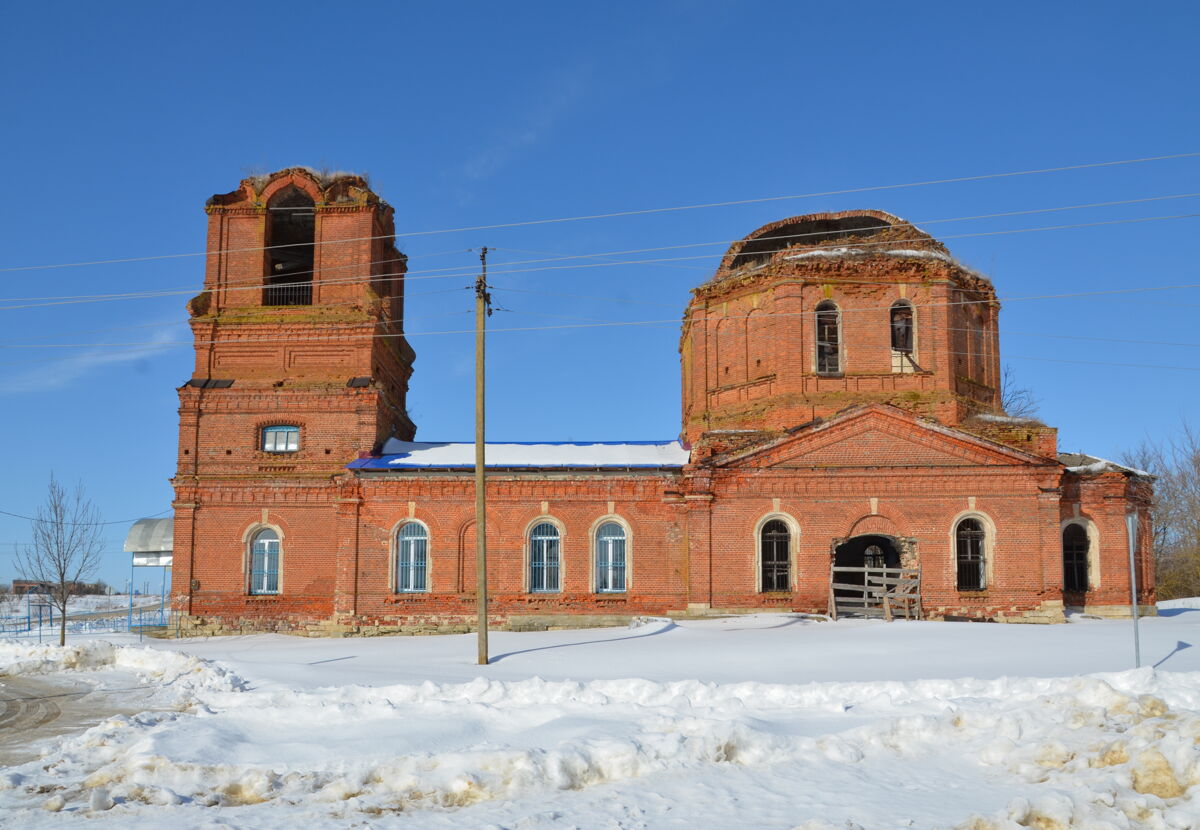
(902, 252)
(1083, 464)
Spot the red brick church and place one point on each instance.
(842, 448)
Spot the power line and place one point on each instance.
(81, 524)
(636, 212)
(256, 283)
(673, 321)
(369, 278)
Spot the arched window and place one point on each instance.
(874, 557)
(280, 438)
(291, 231)
(264, 562)
(774, 555)
(1075, 558)
(968, 539)
(610, 558)
(829, 338)
(902, 327)
(543, 558)
(412, 545)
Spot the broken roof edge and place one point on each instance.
(1084, 464)
(887, 222)
(332, 188)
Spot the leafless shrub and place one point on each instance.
(1176, 510)
(1017, 401)
(66, 547)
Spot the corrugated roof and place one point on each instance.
(404, 455)
(151, 535)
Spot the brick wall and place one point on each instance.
(875, 449)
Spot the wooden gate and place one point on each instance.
(883, 592)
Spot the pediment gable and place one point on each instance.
(878, 436)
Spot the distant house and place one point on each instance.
(29, 586)
(842, 441)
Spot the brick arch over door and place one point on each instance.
(879, 524)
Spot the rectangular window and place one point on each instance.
(281, 439)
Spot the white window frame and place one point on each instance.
(258, 580)
(625, 569)
(269, 438)
(529, 558)
(404, 584)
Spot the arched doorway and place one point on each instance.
(871, 551)
(864, 568)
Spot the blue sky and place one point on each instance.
(121, 119)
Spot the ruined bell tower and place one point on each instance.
(301, 360)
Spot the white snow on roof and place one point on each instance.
(1005, 419)
(638, 454)
(1103, 465)
(906, 252)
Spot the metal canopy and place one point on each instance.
(151, 542)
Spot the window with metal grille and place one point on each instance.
(968, 537)
(874, 557)
(610, 558)
(1075, 558)
(280, 439)
(412, 545)
(829, 338)
(543, 558)
(775, 550)
(264, 562)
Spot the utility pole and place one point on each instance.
(483, 310)
(1131, 528)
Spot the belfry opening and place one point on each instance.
(291, 231)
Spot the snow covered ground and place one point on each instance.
(768, 721)
(93, 603)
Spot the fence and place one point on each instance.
(874, 592)
(42, 624)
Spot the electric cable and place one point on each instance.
(638, 212)
(258, 286)
(82, 524)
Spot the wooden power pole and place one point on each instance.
(483, 309)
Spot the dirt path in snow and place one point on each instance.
(34, 710)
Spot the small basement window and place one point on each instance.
(280, 439)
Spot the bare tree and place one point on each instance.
(1017, 401)
(1176, 510)
(66, 547)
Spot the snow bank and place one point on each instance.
(1184, 602)
(182, 674)
(1119, 748)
